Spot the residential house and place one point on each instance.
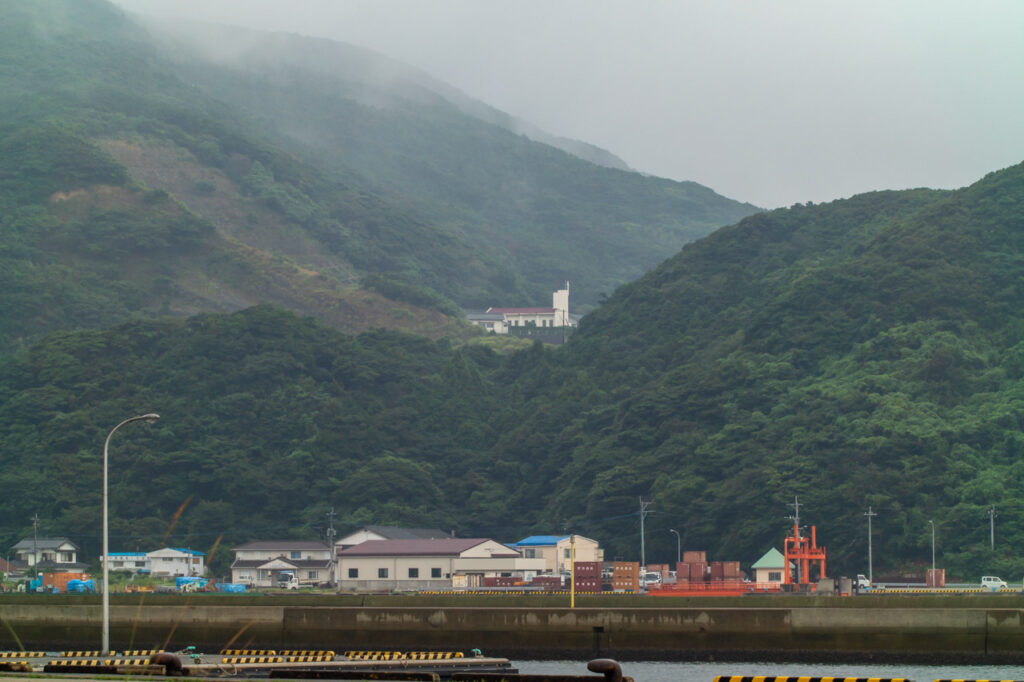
(388, 533)
(428, 564)
(133, 562)
(261, 563)
(770, 568)
(175, 561)
(556, 551)
(51, 555)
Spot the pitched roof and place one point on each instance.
(520, 311)
(297, 563)
(399, 533)
(772, 559)
(414, 547)
(43, 543)
(283, 545)
(540, 540)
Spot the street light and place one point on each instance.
(679, 545)
(932, 524)
(106, 551)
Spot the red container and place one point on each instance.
(731, 569)
(682, 571)
(587, 569)
(698, 571)
(694, 557)
(935, 578)
(716, 570)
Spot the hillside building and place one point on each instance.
(50, 555)
(509, 320)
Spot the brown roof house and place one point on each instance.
(428, 564)
(261, 563)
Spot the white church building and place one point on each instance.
(503, 320)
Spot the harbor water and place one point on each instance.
(656, 671)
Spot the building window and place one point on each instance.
(435, 573)
(530, 553)
(382, 573)
(353, 573)
(294, 555)
(312, 575)
(568, 553)
(414, 573)
(775, 576)
(140, 564)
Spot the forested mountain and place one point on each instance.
(135, 182)
(866, 352)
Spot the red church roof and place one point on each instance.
(520, 311)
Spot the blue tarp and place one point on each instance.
(185, 580)
(231, 587)
(81, 586)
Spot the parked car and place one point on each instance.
(862, 583)
(992, 582)
(650, 579)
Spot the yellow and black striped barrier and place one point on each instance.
(374, 655)
(15, 666)
(433, 655)
(86, 654)
(252, 659)
(975, 680)
(142, 652)
(773, 678)
(308, 659)
(248, 652)
(302, 652)
(22, 654)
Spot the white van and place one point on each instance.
(650, 579)
(991, 582)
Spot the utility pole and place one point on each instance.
(932, 524)
(35, 542)
(643, 514)
(871, 575)
(992, 526)
(330, 544)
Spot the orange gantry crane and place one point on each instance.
(803, 552)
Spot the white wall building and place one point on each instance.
(175, 561)
(556, 551)
(133, 562)
(260, 563)
(428, 564)
(501, 320)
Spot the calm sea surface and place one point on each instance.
(706, 672)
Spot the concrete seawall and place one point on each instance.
(905, 631)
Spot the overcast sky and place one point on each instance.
(771, 102)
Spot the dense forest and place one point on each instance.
(862, 353)
(290, 310)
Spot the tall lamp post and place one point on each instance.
(679, 545)
(106, 550)
(932, 524)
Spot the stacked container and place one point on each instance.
(626, 576)
(587, 576)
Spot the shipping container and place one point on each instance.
(935, 578)
(731, 569)
(682, 571)
(694, 557)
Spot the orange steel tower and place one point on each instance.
(803, 551)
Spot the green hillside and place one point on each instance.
(111, 146)
(862, 353)
(866, 352)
